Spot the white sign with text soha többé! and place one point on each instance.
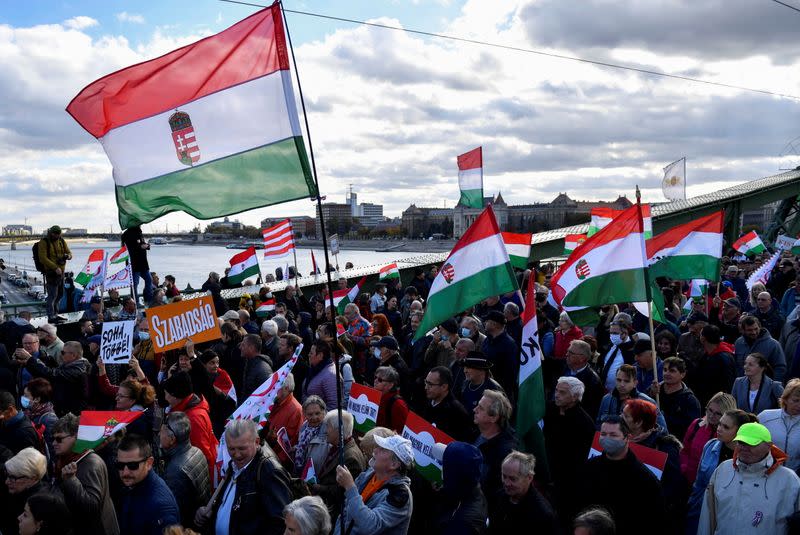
(116, 342)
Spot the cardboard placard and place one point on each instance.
(171, 325)
(116, 342)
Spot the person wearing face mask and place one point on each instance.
(619, 352)
(617, 481)
(471, 328)
(442, 351)
(386, 351)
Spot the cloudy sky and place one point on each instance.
(389, 111)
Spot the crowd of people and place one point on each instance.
(719, 396)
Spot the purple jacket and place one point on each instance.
(323, 385)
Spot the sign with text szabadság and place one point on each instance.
(171, 325)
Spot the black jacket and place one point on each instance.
(465, 515)
(567, 439)
(494, 451)
(680, 409)
(503, 353)
(70, 383)
(715, 372)
(132, 239)
(18, 433)
(185, 471)
(220, 305)
(450, 417)
(594, 390)
(627, 489)
(262, 491)
(533, 511)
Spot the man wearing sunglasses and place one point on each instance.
(147, 505)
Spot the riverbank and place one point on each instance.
(381, 246)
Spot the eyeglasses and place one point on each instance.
(15, 478)
(428, 383)
(714, 413)
(60, 438)
(131, 465)
(380, 380)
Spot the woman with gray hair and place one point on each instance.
(24, 473)
(313, 438)
(307, 516)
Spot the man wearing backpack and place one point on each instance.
(51, 258)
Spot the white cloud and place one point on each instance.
(80, 22)
(133, 18)
(389, 112)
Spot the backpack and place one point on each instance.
(36, 262)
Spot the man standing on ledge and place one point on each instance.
(53, 254)
(133, 239)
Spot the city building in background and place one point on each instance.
(17, 230)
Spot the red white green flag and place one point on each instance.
(478, 267)
(531, 403)
(518, 247)
(572, 241)
(265, 308)
(607, 268)
(470, 178)
(95, 427)
(120, 256)
(309, 475)
(424, 437)
(389, 272)
(96, 259)
(364, 404)
(689, 251)
(600, 217)
(210, 129)
(243, 265)
(749, 244)
(653, 459)
(341, 298)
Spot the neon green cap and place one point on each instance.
(753, 434)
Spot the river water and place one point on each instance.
(190, 264)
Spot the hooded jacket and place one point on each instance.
(201, 436)
(767, 346)
(462, 508)
(715, 372)
(745, 499)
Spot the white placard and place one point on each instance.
(784, 243)
(116, 342)
(333, 244)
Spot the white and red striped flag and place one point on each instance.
(278, 239)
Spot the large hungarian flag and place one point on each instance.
(689, 251)
(749, 244)
(265, 308)
(341, 298)
(478, 267)
(470, 178)
(518, 247)
(93, 264)
(389, 272)
(279, 239)
(95, 427)
(607, 268)
(531, 404)
(210, 128)
(243, 265)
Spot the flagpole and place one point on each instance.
(649, 296)
(324, 246)
(684, 178)
(294, 251)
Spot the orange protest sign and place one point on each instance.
(171, 325)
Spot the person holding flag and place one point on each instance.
(82, 477)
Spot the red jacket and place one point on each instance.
(289, 414)
(563, 340)
(392, 414)
(202, 436)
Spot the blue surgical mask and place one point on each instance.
(144, 335)
(25, 402)
(466, 333)
(376, 351)
(616, 339)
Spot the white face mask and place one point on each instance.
(616, 339)
(377, 352)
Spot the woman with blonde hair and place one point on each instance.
(784, 423)
(700, 431)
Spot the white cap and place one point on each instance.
(49, 328)
(398, 445)
(230, 315)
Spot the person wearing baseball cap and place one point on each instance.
(379, 501)
(387, 353)
(753, 492)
